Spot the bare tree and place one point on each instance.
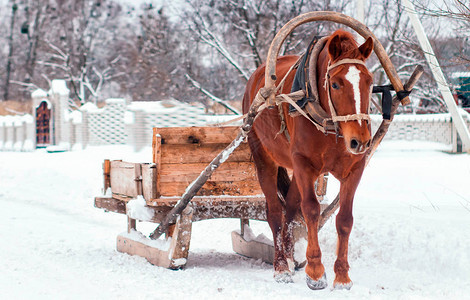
(6, 92)
(234, 36)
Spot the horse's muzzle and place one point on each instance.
(356, 146)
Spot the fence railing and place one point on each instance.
(118, 123)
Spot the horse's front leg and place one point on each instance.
(292, 225)
(344, 223)
(306, 175)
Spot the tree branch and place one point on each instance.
(211, 96)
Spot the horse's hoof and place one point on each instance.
(342, 286)
(319, 284)
(284, 277)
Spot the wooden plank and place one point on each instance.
(110, 204)
(155, 256)
(157, 154)
(197, 153)
(119, 206)
(131, 224)
(204, 207)
(107, 174)
(252, 249)
(215, 188)
(212, 207)
(122, 197)
(149, 181)
(230, 171)
(197, 135)
(210, 201)
(181, 239)
(265, 251)
(243, 223)
(123, 178)
(175, 257)
(138, 178)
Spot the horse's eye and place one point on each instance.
(335, 86)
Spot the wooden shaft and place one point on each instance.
(378, 137)
(270, 75)
(327, 212)
(383, 128)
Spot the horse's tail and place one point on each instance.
(283, 183)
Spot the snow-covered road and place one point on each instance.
(411, 237)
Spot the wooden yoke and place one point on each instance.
(363, 30)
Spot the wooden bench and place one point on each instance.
(179, 156)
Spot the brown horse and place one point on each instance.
(344, 87)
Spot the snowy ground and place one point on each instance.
(411, 237)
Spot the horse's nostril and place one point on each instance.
(354, 144)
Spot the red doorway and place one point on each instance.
(43, 125)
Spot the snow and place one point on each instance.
(89, 107)
(410, 238)
(137, 236)
(138, 209)
(59, 86)
(76, 116)
(39, 93)
(249, 235)
(129, 117)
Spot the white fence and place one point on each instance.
(17, 133)
(431, 127)
(119, 123)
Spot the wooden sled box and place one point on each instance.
(179, 156)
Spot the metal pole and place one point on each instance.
(436, 70)
(360, 11)
(360, 18)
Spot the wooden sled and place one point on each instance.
(179, 155)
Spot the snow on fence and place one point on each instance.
(141, 117)
(16, 133)
(118, 123)
(430, 127)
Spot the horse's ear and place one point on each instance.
(334, 48)
(367, 47)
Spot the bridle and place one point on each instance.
(327, 85)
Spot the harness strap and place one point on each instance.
(348, 118)
(301, 111)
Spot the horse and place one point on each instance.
(344, 88)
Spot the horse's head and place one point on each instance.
(348, 86)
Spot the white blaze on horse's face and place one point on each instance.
(354, 76)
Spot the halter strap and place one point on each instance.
(345, 61)
(334, 116)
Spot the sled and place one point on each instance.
(179, 156)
